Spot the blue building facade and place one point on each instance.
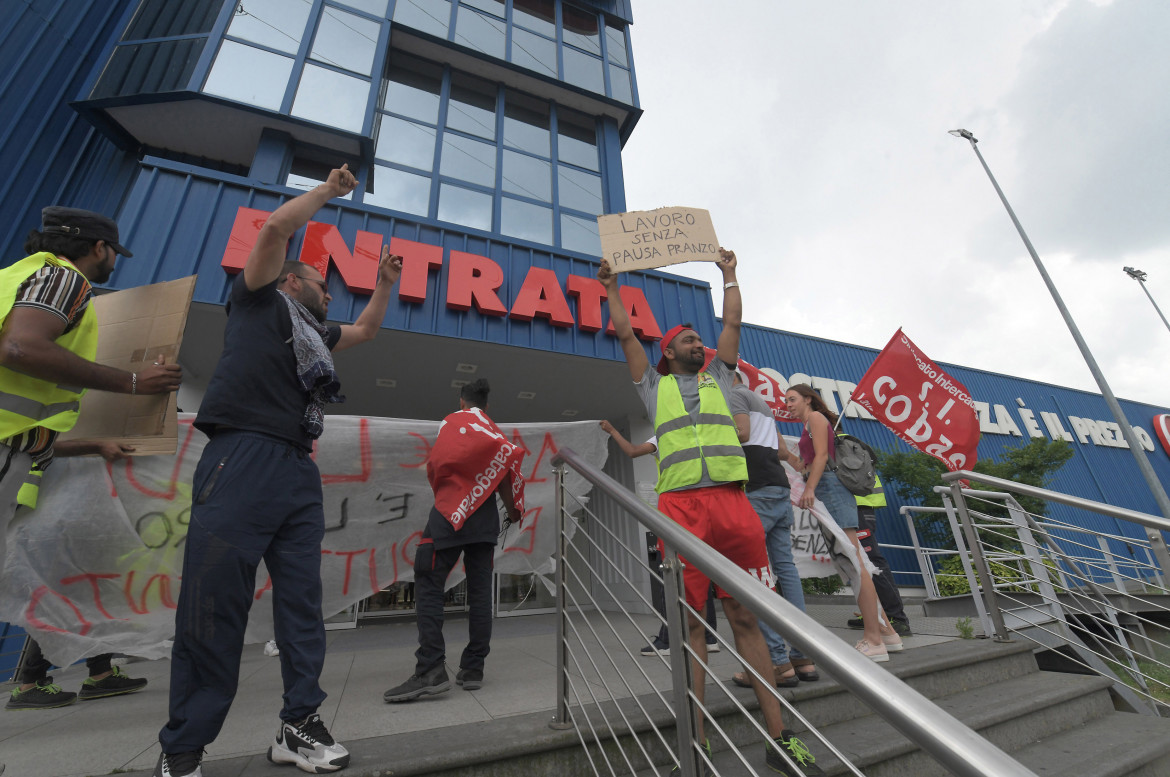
(487, 136)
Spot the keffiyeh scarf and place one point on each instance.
(314, 366)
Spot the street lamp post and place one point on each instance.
(1156, 542)
(1140, 277)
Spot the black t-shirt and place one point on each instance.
(481, 526)
(255, 387)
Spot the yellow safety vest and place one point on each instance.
(875, 499)
(27, 402)
(684, 445)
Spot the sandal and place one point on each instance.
(808, 675)
(743, 681)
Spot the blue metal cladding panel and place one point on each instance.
(177, 220)
(47, 49)
(1095, 472)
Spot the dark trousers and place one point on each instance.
(35, 667)
(431, 568)
(887, 592)
(255, 498)
(664, 633)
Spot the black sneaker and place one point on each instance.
(179, 764)
(797, 752)
(470, 679)
(309, 745)
(433, 682)
(42, 696)
(901, 627)
(656, 648)
(115, 684)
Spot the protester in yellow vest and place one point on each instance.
(47, 345)
(887, 591)
(701, 474)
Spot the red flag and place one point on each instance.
(763, 384)
(920, 403)
(468, 462)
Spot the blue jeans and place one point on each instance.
(773, 506)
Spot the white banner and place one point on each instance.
(96, 567)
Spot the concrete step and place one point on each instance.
(1120, 744)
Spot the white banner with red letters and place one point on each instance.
(919, 402)
(96, 568)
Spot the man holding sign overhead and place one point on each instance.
(701, 471)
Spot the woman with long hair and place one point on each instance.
(817, 450)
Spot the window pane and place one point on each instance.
(537, 15)
(331, 98)
(468, 160)
(491, 6)
(400, 190)
(619, 85)
(412, 88)
(431, 16)
(576, 139)
(615, 44)
(462, 206)
(526, 123)
(277, 24)
(307, 173)
(581, 29)
(525, 220)
(372, 7)
(584, 71)
(534, 52)
(579, 190)
(147, 68)
(472, 107)
(480, 31)
(345, 40)
(527, 175)
(406, 143)
(249, 75)
(164, 18)
(580, 234)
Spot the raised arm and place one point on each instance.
(628, 448)
(635, 356)
(370, 320)
(268, 254)
(728, 347)
(28, 345)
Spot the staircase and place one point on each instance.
(1055, 724)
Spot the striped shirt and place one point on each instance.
(66, 294)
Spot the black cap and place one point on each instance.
(84, 224)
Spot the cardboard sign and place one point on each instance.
(645, 239)
(135, 326)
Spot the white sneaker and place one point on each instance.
(309, 745)
(875, 653)
(270, 648)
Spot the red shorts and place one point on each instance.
(722, 517)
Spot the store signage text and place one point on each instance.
(472, 280)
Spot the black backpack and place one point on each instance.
(855, 465)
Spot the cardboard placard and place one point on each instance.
(645, 239)
(135, 326)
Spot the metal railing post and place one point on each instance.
(561, 719)
(976, 546)
(985, 621)
(685, 720)
(924, 566)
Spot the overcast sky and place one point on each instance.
(816, 134)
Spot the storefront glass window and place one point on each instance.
(525, 220)
(249, 75)
(527, 176)
(480, 31)
(463, 206)
(584, 70)
(406, 143)
(430, 16)
(332, 98)
(579, 190)
(400, 190)
(580, 234)
(468, 160)
(346, 41)
(472, 107)
(534, 52)
(412, 89)
(277, 24)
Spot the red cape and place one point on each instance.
(468, 462)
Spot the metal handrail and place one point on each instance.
(936, 731)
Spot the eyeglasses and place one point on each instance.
(324, 286)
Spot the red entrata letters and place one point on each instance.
(473, 281)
